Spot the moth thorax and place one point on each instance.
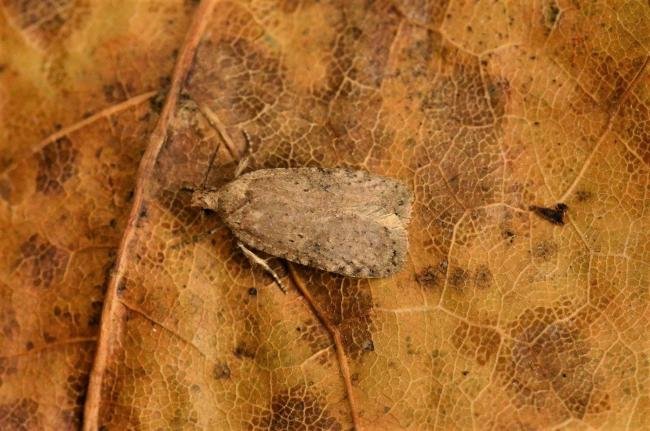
(206, 199)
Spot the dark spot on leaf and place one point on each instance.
(165, 81)
(21, 414)
(252, 291)
(5, 189)
(552, 13)
(583, 195)
(113, 93)
(297, 408)
(427, 277)
(508, 235)
(553, 215)
(96, 313)
(547, 363)
(347, 307)
(244, 351)
(476, 342)
(545, 249)
(56, 164)
(221, 371)
(156, 103)
(458, 278)
(121, 286)
(483, 277)
(42, 261)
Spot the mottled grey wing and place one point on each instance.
(343, 221)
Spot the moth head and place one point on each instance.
(205, 199)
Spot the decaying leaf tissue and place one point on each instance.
(344, 221)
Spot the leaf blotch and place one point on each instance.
(547, 362)
(221, 371)
(458, 279)
(483, 277)
(56, 164)
(349, 309)
(554, 215)
(297, 408)
(21, 414)
(427, 277)
(544, 250)
(244, 351)
(476, 342)
(42, 261)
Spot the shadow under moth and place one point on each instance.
(349, 222)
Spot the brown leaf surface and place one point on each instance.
(118, 311)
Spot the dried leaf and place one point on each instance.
(118, 309)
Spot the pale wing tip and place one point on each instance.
(392, 264)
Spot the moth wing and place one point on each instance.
(348, 222)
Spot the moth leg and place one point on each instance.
(243, 162)
(261, 262)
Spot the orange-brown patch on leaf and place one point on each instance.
(548, 363)
(56, 164)
(476, 342)
(346, 304)
(312, 332)
(42, 261)
(21, 414)
(297, 408)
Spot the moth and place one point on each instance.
(344, 221)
